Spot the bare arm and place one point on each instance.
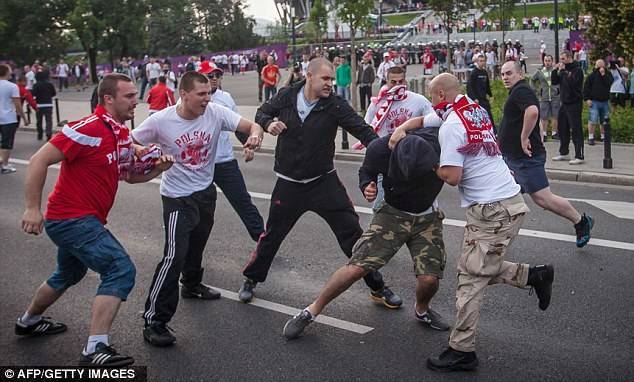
(161, 164)
(32, 220)
(256, 135)
(530, 119)
(450, 174)
(20, 110)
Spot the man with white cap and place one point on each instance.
(387, 63)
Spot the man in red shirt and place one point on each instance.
(271, 77)
(25, 95)
(96, 152)
(160, 96)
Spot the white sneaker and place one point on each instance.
(577, 161)
(7, 170)
(561, 158)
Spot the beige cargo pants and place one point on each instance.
(489, 231)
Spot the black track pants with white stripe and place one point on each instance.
(188, 222)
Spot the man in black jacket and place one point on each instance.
(478, 86)
(308, 116)
(569, 76)
(596, 93)
(43, 91)
(408, 215)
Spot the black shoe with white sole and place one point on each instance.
(200, 291)
(105, 356)
(44, 326)
(432, 319)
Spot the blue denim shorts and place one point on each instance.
(84, 243)
(529, 173)
(599, 111)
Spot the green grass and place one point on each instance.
(538, 10)
(398, 20)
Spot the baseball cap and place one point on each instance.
(386, 54)
(207, 67)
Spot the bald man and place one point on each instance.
(525, 154)
(470, 159)
(305, 118)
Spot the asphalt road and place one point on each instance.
(586, 334)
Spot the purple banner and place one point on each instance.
(279, 49)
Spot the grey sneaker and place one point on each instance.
(561, 158)
(296, 325)
(245, 294)
(432, 319)
(387, 298)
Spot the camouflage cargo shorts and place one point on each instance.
(390, 229)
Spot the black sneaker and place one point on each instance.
(387, 297)
(200, 291)
(583, 229)
(591, 142)
(453, 360)
(541, 277)
(44, 326)
(245, 294)
(105, 356)
(296, 325)
(158, 334)
(555, 137)
(432, 319)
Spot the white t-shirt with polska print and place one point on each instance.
(193, 143)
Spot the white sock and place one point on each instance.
(93, 341)
(590, 136)
(602, 136)
(312, 316)
(28, 319)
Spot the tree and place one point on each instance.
(31, 30)
(107, 24)
(226, 29)
(611, 30)
(355, 13)
(450, 12)
(499, 10)
(317, 23)
(172, 29)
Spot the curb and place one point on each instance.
(571, 176)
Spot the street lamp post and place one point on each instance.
(524, 1)
(293, 32)
(556, 31)
(474, 27)
(380, 19)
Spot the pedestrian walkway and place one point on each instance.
(592, 171)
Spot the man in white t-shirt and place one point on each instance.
(235, 64)
(10, 107)
(471, 160)
(387, 63)
(30, 77)
(392, 107)
(153, 71)
(190, 132)
(62, 74)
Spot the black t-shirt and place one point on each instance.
(509, 136)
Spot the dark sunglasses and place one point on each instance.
(214, 75)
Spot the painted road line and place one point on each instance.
(330, 321)
(457, 223)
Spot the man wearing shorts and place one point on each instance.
(525, 154)
(548, 97)
(96, 152)
(409, 215)
(596, 93)
(10, 108)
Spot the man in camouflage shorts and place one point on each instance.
(409, 215)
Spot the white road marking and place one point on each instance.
(330, 321)
(623, 210)
(460, 223)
